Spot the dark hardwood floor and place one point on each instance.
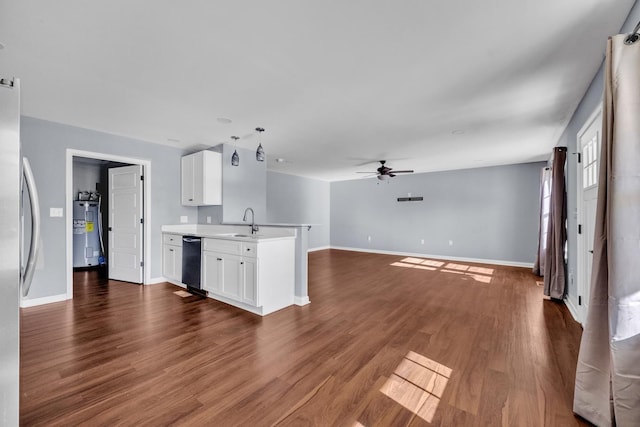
(386, 340)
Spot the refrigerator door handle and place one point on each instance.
(30, 266)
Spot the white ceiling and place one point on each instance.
(335, 83)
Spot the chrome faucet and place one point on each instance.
(254, 227)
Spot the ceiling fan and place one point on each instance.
(384, 172)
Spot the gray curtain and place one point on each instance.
(607, 390)
(543, 220)
(554, 264)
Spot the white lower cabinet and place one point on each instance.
(172, 257)
(249, 271)
(229, 274)
(212, 270)
(231, 277)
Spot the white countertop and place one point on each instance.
(273, 224)
(230, 232)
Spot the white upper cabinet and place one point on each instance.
(202, 179)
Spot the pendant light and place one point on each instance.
(235, 158)
(260, 150)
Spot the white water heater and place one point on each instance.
(86, 237)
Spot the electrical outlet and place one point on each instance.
(450, 242)
(422, 241)
(56, 212)
(208, 220)
(369, 239)
(184, 219)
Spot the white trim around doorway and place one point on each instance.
(146, 164)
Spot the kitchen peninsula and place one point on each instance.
(256, 272)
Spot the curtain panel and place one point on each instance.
(607, 389)
(543, 220)
(554, 264)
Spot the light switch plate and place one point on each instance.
(184, 219)
(56, 212)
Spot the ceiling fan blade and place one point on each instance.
(391, 175)
(364, 162)
(407, 171)
(366, 172)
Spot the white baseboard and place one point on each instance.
(156, 280)
(301, 300)
(319, 248)
(443, 257)
(572, 309)
(41, 301)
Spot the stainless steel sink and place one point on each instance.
(245, 236)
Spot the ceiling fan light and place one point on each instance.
(260, 153)
(383, 177)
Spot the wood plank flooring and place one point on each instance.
(386, 341)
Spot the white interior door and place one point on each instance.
(125, 223)
(589, 143)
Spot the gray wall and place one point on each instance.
(591, 100)
(488, 213)
(85, 176)
(294, 199)
(212, 212)
(45, 144)
(243, 186)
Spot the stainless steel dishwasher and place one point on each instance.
(191, 256)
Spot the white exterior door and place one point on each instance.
(125, 223)
(589, 145)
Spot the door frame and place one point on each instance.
(146, 200)
(580, 279)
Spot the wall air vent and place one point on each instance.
(410, 199)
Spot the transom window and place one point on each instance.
(590, 163)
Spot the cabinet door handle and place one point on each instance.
(248, 249)
(191, 200)
(241, 263)
(219, 259)
(170, 250)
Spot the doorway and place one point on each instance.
(91, 172)
(588, 144)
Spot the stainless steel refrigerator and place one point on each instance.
(15, 280)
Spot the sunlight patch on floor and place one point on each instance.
(404, 264)
(183, 294)
(417, 384)
(479, 274)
